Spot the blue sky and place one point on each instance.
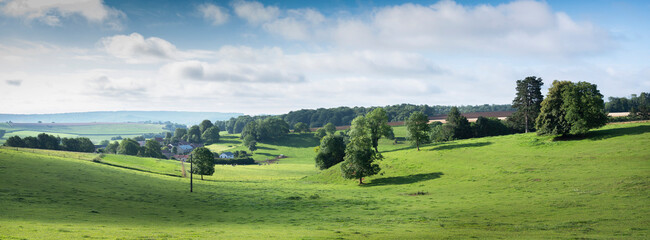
(271, 57)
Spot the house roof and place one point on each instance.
(228, 154)
(185, 147)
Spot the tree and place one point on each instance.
(128, 147)
(204, 125)
(2, 132)
(459, 124)
(194, 134)
(330, 128)
(571, 109)
(330, 152)
(14, 141)
(152, 149)
(112, 147)
(104, 142)
(418, 128)
(180, 132)
(70, 144)
(320, 133)
(46, 141)
(203, 161)
(527, 101)
(250, 142)
(640, 106)
(211, 135)
(301, 127)
(359, 154)
(31, 142)
(378, 126)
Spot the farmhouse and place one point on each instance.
(227, 155)
(182, 149)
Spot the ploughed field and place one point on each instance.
(519, 186)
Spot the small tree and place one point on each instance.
(300, 127)
(320, 133)
(418, 127)
(461, 127)
(330, 152)
(330, 128)
(203, 161)
(378, 126)
(152, 149)
(128, 147)
(15, 141)
(359, 154)
(194, 134)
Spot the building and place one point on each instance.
(182, 149)
(227, 155)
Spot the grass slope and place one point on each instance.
(518, 186)
(95, 132)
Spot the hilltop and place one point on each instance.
(119, 117)
(516, 186)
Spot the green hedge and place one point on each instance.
(238, 161)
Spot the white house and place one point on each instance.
(227, 155)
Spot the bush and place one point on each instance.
(237, 161)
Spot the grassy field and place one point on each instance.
(96, 132)
(514, 187)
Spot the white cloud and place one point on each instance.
(51, 12)
(520, 28)
(255, 12)
(224, 71)
(134, 48)
(215, 14)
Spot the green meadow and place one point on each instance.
(518, 186)
(96, 132)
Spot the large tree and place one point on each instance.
(330, 152)
(418, 128)
(194, 134)
(527, 101)
(211, 135)
(571, 109)
(203, 161)
(204, 125)
(128, 147)
(152, 149)
(14, 141)
(359, 156)
(180, 132)
(378, 126)
(330, 128)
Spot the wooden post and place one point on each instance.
(191, 175)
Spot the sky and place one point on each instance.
(272, 57)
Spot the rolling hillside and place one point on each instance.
(514, 187)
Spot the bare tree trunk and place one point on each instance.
(201, 176)
(526, 118)
(360, 181)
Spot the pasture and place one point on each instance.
(516, 187)
(96, 132)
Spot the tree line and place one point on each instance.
(343, 116)
(637, 105)
(51, 142)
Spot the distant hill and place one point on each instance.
(119, 116)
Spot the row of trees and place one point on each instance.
(131, 147)
(46, 141)
(343, 116)
(637, 105)
(205, 132)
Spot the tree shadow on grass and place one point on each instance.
(398, 149)
(263, 154)
(464, 145)
(266, 148)
(601, 134)
(403, 179)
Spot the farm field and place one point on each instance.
(518, 186)
(96, 132)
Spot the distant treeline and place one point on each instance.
(46, 141)
(635, 104)
(342, 116)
